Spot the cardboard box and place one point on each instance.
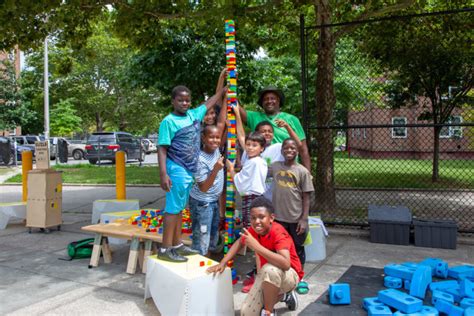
(42, 155)
(43, 213)
(44, 184)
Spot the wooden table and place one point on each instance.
(122, 229)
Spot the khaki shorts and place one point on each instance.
(285, 280)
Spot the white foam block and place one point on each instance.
(105, 206)
(187, 289)
(9, 211)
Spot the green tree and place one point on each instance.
(430, 57)
(64, 120)
(14, 108)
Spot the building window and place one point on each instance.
(399, 132)
(364, 135)
(452, 131)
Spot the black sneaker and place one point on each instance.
(184, 250)
(170, 255)
(291, 300)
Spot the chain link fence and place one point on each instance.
(395, 142)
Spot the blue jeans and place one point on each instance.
(205, 224)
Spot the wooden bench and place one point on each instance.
(122, 229)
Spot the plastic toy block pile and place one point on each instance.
(152, 221)
(408, 284)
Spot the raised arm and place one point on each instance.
(291, 132)
(215, 98)
(239, 126)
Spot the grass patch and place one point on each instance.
(401, 173)
(89, 174)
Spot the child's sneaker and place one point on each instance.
(184, 250)
(248, 283)
(170, 255)
(291, 300)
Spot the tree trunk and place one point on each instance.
(435, 174)
(325, 103)
(99, 124)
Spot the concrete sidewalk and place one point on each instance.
(33, 281)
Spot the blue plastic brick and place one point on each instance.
(465, 270)
(445, 307)
(455, 293)
(443, 285)
(440, 295)
(400, 301)
(339, 294)
(439, 268)
(466, 302)
(381, 310)
(371, 301)
(392, 282)
(466, 288)
(406, 284)
(399, 271)
(410, 264)
(469, 311)
(420, 281)
(425, 311)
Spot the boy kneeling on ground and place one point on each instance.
(280, 268)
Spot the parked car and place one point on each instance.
(75, 150)
(104, 145)
(149, 146)
(27, 140)
(10, 155)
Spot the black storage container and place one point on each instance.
(435, 233)
(390, 224)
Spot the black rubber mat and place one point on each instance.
(364, 282)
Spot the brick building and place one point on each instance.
(456, 142)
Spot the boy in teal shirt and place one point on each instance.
(178, 156)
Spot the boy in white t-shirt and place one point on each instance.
(250, 181)
(272, 152)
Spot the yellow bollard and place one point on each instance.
(120, 175)
(26, 165)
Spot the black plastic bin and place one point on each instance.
(390, 224)
(435, 233)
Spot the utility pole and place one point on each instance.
(46, 90)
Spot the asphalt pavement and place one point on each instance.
(34, 282)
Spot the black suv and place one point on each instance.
(104, 146)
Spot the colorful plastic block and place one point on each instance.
(466, 288)
(406, 284)
(466, 302)
(439, 268)
(442, 285)
(392, 282)
(420, 281)
(425, 311)
(439, 295)
(455, 293)
(465, 270)
(400, 301)
(399, 271)
(379, 310)
(445, 307)
(410, 264)
(469, 311)
(371, 301)
(339, 294)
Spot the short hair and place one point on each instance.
(287, 140)
(256, 137)
(262, 202)
(206, 129)
(178, 90)
(264, 123)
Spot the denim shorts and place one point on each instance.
(181, 184)
(205, 224)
